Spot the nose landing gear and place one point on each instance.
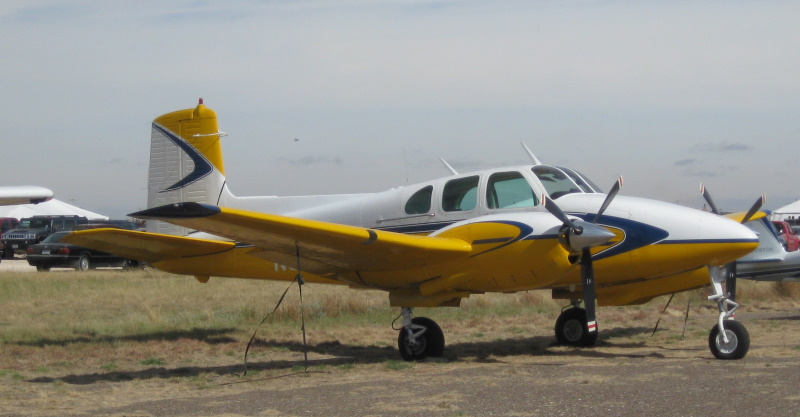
(728, 339)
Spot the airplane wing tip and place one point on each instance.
(177, 211)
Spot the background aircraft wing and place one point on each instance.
(142, 246)
(325, 248)
(24, 194)
(740, 215)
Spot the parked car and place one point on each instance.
(6, 224)
(52, 253)
(32, 230)
(790, 240)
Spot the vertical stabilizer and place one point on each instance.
(185, 162)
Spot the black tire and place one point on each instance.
(131, 265)
(41, 268)
(83, 263)
(572, 329)
(8, 253)
(738, 341)
(431, 343)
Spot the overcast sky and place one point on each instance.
(668, 94)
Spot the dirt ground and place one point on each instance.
(628, 372)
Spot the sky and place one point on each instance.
(668, 94)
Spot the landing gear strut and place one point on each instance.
(419, 338)
(728, 338)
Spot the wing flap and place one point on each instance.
(143, 246)
(325, 248)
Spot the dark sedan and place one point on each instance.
(51, 253)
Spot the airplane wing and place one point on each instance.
(325, 248)
(142, 246)
(24, 194)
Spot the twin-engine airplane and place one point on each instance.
(434, 243)
(770, 261)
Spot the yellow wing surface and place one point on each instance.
(740, 215)
(325, 248)
(147, 247)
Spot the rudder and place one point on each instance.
(185, 162)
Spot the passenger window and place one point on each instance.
(420, 202)
(460, 194)
(509, 190)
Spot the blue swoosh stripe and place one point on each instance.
(202, 166)
(637, 234)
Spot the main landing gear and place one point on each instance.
(419, 338)
(572, 328)
(728, 338)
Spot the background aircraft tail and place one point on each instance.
(185, 162)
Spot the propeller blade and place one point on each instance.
(587, 282)
(553, 208)
(707, 196)
(753, 210)
(609, 198)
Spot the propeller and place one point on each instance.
(581, 236)
(707, 196)
(730, 269)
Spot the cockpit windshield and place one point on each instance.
(582, 181)
(560, 181)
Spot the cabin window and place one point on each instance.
(420, 202)
(509, 190)
(460, 194)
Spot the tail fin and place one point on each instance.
(185, 162)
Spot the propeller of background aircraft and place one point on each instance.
(730, 268)
(581, 236)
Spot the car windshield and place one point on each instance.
(34, 223)
(55, 237)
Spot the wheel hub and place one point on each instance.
(573, 330)
(729, 347)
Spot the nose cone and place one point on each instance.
(694, 236)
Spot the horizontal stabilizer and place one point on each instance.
(143, 246)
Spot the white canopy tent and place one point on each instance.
(52, 208)
(788, 212)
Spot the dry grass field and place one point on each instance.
(148, 343)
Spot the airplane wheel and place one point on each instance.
(429, 344)
(738, 341)
(572, 330)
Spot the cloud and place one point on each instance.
(310, 160)
(722, 147)
(700, 174)
(684, 162)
